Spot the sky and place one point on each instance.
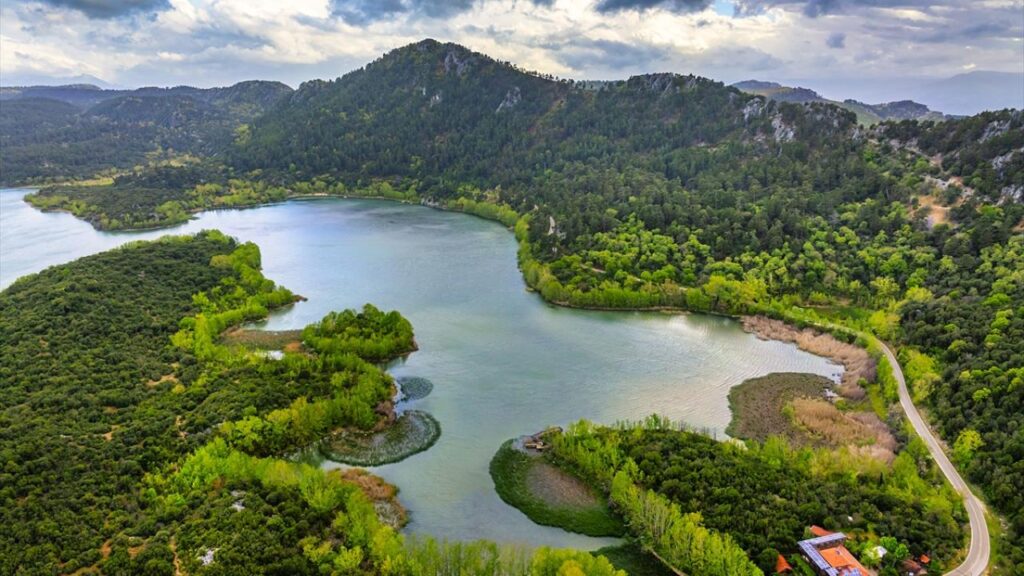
(823, 44)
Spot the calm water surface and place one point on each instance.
(503, 362)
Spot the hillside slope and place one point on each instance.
(665, 190)
(54, 133)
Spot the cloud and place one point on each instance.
(110, 8)
(217, 42)
(362, 12)
(677, 6)
(610, 55)
(815, 8)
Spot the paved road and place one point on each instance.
(976, 562)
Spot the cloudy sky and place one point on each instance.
(216, 42)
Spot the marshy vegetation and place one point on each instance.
(759, 405)
(858, 365)
(794, 406)
(411, 433)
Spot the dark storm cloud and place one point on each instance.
(974, 27)
(836, 40)
(361, 12)
(815, 8)
(677, 6)
(109, 8)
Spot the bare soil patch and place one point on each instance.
(161, 380)
(935, 213)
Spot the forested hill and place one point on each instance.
(667, 190)
(63, 132)
(440, 113)
(676, 190)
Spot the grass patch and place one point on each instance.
(835, 428)
(633, 560)
(549, 496)
(413, 432)
(263, 339)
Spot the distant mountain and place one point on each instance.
(81, 95)
(974, 91)
(867, 114)
(75, 131)
(778, 92)
(29, 79)
(85, 95)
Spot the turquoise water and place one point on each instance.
(503, 362)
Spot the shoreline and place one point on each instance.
(856, 361)
(194, 212)
(666, 309)
(788, 316)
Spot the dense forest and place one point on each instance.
(665, 190)
(669, 190)
(762, 496)
(53, 134)
(136, 442)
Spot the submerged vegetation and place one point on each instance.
(414, 387)
(411, 433)
(550, 496)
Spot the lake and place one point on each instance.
(503, 362)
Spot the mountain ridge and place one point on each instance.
(867, 114)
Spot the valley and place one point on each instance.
(645, 215)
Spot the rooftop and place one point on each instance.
(829, 556)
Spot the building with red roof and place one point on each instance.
(828, 555)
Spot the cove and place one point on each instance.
(502, 361)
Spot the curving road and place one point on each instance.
(976, 563)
